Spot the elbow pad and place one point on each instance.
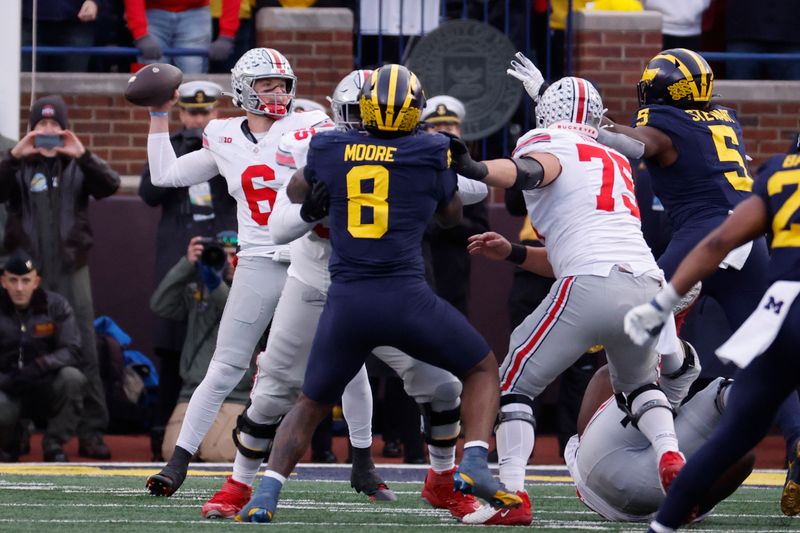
(623, 144)
(530, 173)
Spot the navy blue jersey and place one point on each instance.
(778, 184)
(383, 194)
(710, 175)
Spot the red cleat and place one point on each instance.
(489, 516)
(228, 500)
(668, 467)
(438, 491)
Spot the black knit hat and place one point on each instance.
(19, 263)
(49, 107)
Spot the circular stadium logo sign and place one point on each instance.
(467, 60)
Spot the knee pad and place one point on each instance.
(507, 416)
(625, 402)
(440, 428)
(259, 431)
(447, 395)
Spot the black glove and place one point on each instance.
(220, 48)
(149, 47)
(315, 206)
(462, 162)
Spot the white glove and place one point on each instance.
(526, 72)
(644, 322)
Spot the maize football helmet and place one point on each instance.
(391, 101)
(573, 103)
(344, 102)
(256, 64)
(676, 77)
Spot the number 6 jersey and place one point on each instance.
(587, 217)
(250, 169)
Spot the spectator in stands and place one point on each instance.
(681, 21)
(46, 181)
(203, 209)
(245, 38)
(39, 359)
(159, 24)
(195, 290)
(769, 27)
(59, 23)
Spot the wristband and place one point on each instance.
(518, 254)
(159, 113)
(666, 298)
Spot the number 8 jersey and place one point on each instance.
(250, 169)
(587, 217)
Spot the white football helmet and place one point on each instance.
(344, 103)
(571, 102)
(256, 64)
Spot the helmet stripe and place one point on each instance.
(684, 70)
(705, 88)
(409, 91)
(374, 82)
(390, 114)
(583, 95)
(275, 58)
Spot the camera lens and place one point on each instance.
(213, 256)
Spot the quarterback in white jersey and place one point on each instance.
(281, 366)
(243, 151)
(610, 462)
(579, 196)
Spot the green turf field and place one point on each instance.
(83, 503)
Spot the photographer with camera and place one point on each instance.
(195, 290)
(46, 181)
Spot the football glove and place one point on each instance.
(462, 162)
(530, 76)
(315, 206)
(644, 322)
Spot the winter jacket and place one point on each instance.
(35, 189)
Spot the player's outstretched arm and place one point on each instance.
(285, 222)
(655, 141)
(748, 221)
(498, 248)
(298, 187)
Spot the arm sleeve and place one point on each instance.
(285, 224)
(229, 18)
(168, 170)
(515, 203)
(471, 191)
(100, 179)
(137, 20)
(152, 195)
(68, 337)
(168, 299)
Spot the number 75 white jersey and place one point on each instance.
(253, 173)
(587, 217)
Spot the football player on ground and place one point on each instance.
(764, 347)
(243, 150)
(283, 363)
(580, 199)
(384, 186)
(610, 463)
(694, 151)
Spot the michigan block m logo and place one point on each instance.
(774, 305)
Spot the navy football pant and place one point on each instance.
(757, 392)
(400, 312)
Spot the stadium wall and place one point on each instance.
(610, 48)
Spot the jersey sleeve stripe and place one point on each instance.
(542, 137)
(285, 159)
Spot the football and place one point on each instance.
(153, 84)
